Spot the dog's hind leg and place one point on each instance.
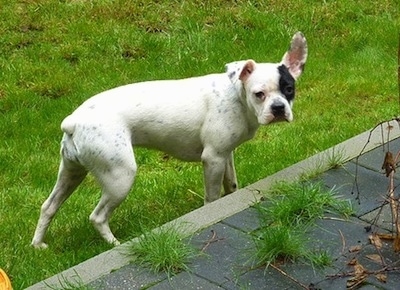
(70, 175)
(116, 180)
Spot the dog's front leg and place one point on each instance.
(214, 169)
(230, 180)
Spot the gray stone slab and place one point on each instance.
(373, 287)
(263, 278)
(372, 186)
(227, 253)
(386, 252)
(336, 235)
(381, 218)
(246, 221)
(129, 277)
(338, 238)
(333, 236)
(371, 282)
(185, 281)
(374, 159)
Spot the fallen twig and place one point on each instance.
(289, 277)
(394, 207)
(213, 239)
(343, 241)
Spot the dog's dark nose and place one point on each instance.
(278, 109)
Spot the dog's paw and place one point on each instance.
(116, 242)
(40, 246)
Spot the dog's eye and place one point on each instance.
(289, 90)
(260, 95)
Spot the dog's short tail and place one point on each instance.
(68, 147)
(68, 125)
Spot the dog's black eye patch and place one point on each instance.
(286, 83)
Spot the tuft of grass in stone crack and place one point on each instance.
(75, 283)
(291, 211)
(163, 250)
(333, 159)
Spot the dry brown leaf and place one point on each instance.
(353, 249)
(352, 262)
(375, 240)
(359, 269)
(396, 244)
(389, 164)
(375, 258)
(382, 277)
(355, 281)
(359, 276)
(386, 236)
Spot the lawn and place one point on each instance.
(56, 54)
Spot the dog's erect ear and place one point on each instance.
(240, 70)
(295, 58)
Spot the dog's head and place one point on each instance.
(270, 87)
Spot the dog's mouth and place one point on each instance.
(280, 118)
(271, 118)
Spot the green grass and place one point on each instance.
(163, 250)
(320, 259)
(331, 159)
(56, 54)
(295, 203)
(74, 284)
(279, 243)
(291, 211)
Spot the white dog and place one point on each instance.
(196, 119)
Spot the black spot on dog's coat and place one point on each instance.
(286, 83)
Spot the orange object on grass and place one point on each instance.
(5, 283)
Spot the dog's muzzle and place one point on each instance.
(278, 110)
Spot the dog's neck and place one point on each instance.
(251, 116)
